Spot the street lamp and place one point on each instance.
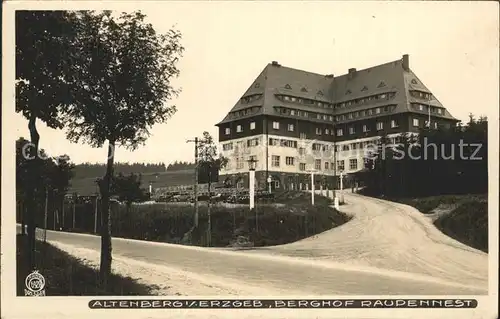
(251, 166)
(269, 181)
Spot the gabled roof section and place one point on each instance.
(413, 83)
(384, 78)
(257, 88)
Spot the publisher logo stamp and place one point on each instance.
(35, 284)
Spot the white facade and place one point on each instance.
(350, 153)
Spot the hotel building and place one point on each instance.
(293, 122)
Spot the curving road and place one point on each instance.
(386, 249)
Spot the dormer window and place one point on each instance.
(320, 93)
(348, 92)
(303, 90)
(257, 85)
(381, 85)
(364, 88)
(288, 87)
(413, 81)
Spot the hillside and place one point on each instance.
(87, 186)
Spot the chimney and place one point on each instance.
(406, 62)
(275, 63)
(352, 72)
(329, 76)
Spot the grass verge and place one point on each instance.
(66, 275)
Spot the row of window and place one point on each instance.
(422, 107)
(250, 143)
(340, 132)
(245, 112)
(290, 161)
(420, 94)
(250, 98)
(340, 105)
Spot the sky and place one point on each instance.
(453, 49)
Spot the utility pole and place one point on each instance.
(46, 214)
(195, 188)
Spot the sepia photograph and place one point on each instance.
(226, 149)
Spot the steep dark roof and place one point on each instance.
(385, 78)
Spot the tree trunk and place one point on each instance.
(31, 192)
(23, 216)
(106, 249)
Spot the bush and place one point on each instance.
(467, 224)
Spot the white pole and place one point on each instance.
(252, 188)
(312, 188)
(341, 182)
(150, 190)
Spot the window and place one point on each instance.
(292, 112)
(318, 116)
(326, 165)
(416, 122)
(287, 98)
(316, 147)
(377, 110)
(275, 161)
(276, 125)
(290, 127)
(293, 99)
(380, 126)
(365, 128)
(383, 96)
(306, 114)
(345, 147)
(317, 164)
(435, 125)
(228, 131)
(289, 160)
(239, 128)
(340, 165)
(303, 135)
(349, 116)
(302, 166)
(394, 123)
(239, 163)
(439, 111)
(227, 146)
(420, 107)
(327, 131)
(252, 125)
(331, 118)
(253, 142)
(318, 131)
(339, 132)
(351, 130)
(353, 164)
(302, 151)
(273, 142)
